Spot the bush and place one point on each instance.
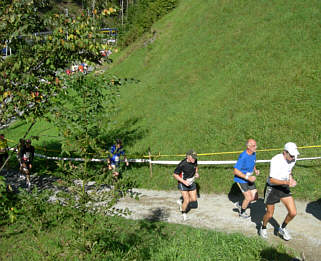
(8, 201)
(142, 16)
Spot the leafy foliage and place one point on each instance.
(29, 76)
(142, 15)
(85, 105)
(8, 210)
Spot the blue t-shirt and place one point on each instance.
(115, 154)
(245, 163)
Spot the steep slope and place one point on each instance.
(215, 73)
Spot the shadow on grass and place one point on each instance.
(314, 208)
(128, 132)
(138, 243)
(271, 254)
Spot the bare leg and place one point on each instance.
(290, 205)
(269, 214)
(248, 197)
(254, 194)
(186, 200)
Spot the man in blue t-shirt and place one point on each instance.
(243, 176)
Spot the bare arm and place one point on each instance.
(178, 178)
(196, 173)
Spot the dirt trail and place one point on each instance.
(218, 212)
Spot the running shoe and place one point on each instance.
(285, 234)
(184, 217)
(244, 215)
(179, 202)
(263, 233)
(238, 206)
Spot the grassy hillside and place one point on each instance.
(220, 72)
(216, 73)
(213, 74)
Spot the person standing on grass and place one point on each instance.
(3, 150)
(278, 188)
(185, 173)
(243, 176)
(26, 156)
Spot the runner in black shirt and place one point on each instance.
(26, 155)
(185, 173)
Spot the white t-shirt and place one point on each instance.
(280, 169)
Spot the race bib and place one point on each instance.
(190, 180)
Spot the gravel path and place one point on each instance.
(218, 212)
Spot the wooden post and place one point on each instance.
(150, 162)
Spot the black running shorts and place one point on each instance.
(246, 186)
(273, 194)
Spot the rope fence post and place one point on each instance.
(150, 162)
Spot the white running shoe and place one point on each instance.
(238, 206)
(263, 233)
(285, 234)
(184, 217)
(179, 202)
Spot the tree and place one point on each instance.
(75, 103)
(36, 59)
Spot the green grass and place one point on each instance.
(220, 72)
(132, 240)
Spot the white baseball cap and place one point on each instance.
(292, 149)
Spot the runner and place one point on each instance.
(278, 188)
(26, 156)
(3, 150)
(243, 171)
(116, 151)
(185, 173)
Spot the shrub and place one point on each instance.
(142, 16)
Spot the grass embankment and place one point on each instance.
(131, 240)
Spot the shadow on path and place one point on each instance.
(257, 208)
(314, 208)
(158, 214)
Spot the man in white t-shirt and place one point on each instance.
(278, 188)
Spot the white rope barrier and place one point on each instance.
(165, 162)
